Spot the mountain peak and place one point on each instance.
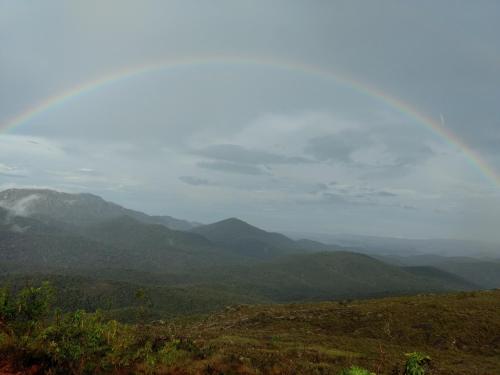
(231, 225)
(76, 209)
(246, 238)
(234, 221)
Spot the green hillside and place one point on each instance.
(247, 240)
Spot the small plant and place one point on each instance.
(356, 371)
(416, 363)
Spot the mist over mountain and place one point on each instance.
(75, 209)
(48, 232)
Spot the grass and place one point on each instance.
(460, 332)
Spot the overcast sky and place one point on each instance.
(283, 149)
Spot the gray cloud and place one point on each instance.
(195, 181)
(229, 167)
(238, 154)
(380, 150)
(385, 194)
(12, 175)
(9, 171)
(337, 147)
(266, 133)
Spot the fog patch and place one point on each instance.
(20, 207)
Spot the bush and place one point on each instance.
(21, 315)
(416, 363)
(80, 342)
(74, 343)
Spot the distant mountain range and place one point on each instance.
(60, 236)
(485, 273)
(405, 246)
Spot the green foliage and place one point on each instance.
(21, 314)
(299, 338)
(416, 363)
(356, 371)
(80, 342)
(75, 342)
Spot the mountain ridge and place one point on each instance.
(230, 254)
(76, 209)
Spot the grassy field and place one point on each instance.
(460, 332)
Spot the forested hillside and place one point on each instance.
(100, 254)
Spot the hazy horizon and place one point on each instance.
(375, 119)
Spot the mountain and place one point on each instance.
(187, 259)
(248, 240)
(9, 222)
(50, 206)
(406, 247)
(117, 243)
(482, 272)
(307, 277)
(31, 251)
(328, 275)
(233, 230)
(452, 280)
(82, 235)
(160, 248)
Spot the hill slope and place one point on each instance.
(247, 240)
(331, 275)
(482, 272)
(460, 332)
(76, 209)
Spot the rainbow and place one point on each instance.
(434, 125)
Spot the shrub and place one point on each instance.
(74, 343)
(416, 363)
(78, 342)
(21, 315)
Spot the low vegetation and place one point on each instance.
(460, 332)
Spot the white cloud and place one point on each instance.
(20, 207)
